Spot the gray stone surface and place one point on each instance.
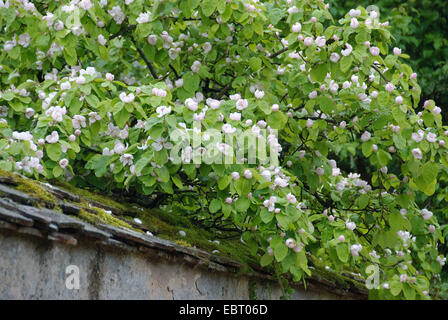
(35, 268)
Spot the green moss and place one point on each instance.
(168, 224)
(341, 280)
(103, 217)
(89, 195)
(252, 290)
(34, 189)
(182, 243)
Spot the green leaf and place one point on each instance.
(395, 288)
(177, 181)
(343, 252)
(390, 61)
(215, 205)
(266, 260)
(383, 99)
(277, 120)
(92, 100)
(242, 204)
(142, 162)
(266, 215)
(191, 82)
(383, 157)
(167, 187)
(70, 56)
(163, 174)
(302, 261)
(248, 31)
(275, 15)
(243, 186)
(397, 222)
(399, 141)
(280, 251)
(408, 291)
(54, 151)
(326, 104)
(319, 72)
(100, 166)
(122, 117)
(161, 157)
(367, 148)
(430, 171)
(223, 182)
(346, 63)
(8, 96)
(255, 63)
(363, 201)
(208, 7)
(57, 171)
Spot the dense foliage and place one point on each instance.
(112, 93)
(419, 30)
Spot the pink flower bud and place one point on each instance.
(397, 51)
(290, 243)
(308, 41)
(320, 171)
(374, 51)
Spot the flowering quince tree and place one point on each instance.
(106, 93)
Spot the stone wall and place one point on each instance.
(35, 268)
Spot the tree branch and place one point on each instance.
(148, 63)
(279, 52)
